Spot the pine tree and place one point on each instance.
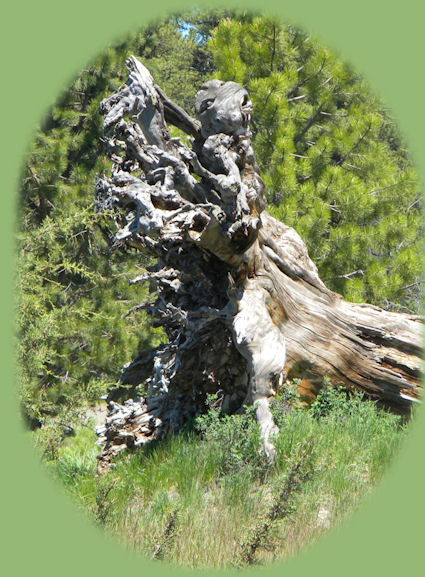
(333, 163)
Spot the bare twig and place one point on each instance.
(348, 275)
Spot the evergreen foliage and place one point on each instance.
(334, 165)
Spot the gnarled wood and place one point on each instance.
(237, 294)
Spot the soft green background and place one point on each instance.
(43, 45)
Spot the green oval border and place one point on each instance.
(44, 44)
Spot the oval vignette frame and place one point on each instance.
(44, 530)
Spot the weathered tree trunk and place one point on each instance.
(240, 300)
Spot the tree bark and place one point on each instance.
(237, 294)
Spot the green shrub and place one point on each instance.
(286, 401)
(336, 403)
(332, 401)
(235, 439)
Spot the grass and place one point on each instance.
(207, 496)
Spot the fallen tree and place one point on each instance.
(240, 300)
